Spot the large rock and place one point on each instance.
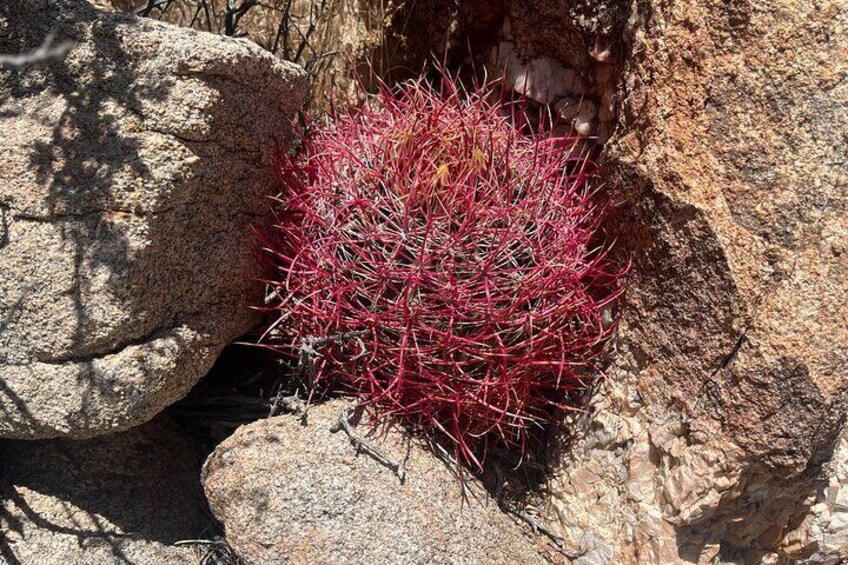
(712, 436)
(298, 494)
(131, 173)
(122, 499)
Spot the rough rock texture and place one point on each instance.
(345, 31)
(416, 30)
(130, 175)
(123, 499)
(579, 33)
(822, 535)
(288, 493)
(566, 55)
(577, 105)
(710, 441)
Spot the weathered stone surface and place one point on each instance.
(822, 535)
(121, 499)
(710, 440)
(288, 493)
(131, 173)
(578, 33)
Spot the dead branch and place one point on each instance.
(144, 11)
(309, 353)
(46, 53)
(361, 445)
(556, 541)
(292, 403)
(234, 14)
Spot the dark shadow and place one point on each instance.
(88, 147)
(141, 485)
(680, 282)
(765, 494)
(238, 390)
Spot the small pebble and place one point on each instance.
(534, 81)
(585, 118)
(580, 113)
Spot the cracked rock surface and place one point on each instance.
(299, 494)
(131, 173)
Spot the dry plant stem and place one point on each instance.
(292, 48)
(533, 522)
(309, 353)
(294, 34)
(306, 371)
(213, 551)
(292, 403)
(535, 525)
(235, 12)
(538, 528)
(343, 424)
(144, 11)
(45, 53)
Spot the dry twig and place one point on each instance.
(214, 551)
(309, 353)
(361, 445)
(45, 53)
(556, 541)
(292, 403)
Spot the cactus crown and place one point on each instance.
(443, 265)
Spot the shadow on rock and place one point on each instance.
(134, 170)
(123, 499)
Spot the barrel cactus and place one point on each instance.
(443, 265)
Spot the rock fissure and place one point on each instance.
(101, 353)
